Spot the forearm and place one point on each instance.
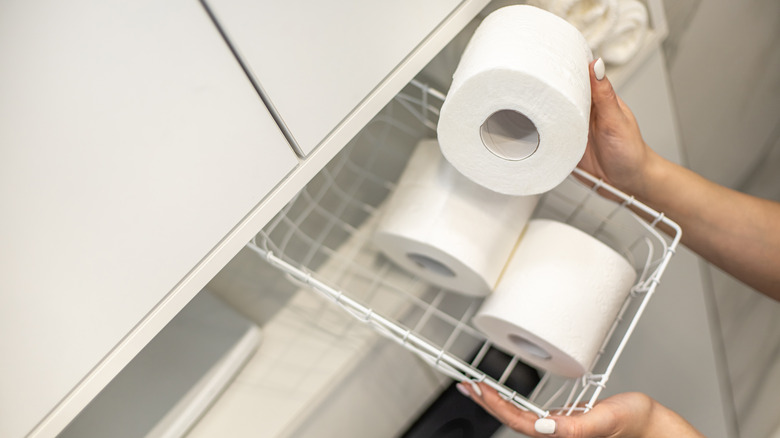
(734, 231)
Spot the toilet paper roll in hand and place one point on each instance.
(516, 117)
(444, 228)
(557, 298)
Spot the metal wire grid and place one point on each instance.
(341, 205)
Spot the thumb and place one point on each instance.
(580, 426)
(604, 100)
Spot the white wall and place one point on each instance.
(724, 68)
(725, 72)
(724, 64)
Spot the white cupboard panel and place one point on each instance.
(131, 144)
(316, 61)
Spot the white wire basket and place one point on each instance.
(332, 218)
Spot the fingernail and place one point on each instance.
(475, 388)
(463, 390)
(599, 69)
(545, 426)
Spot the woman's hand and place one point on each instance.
(734, 231)
(629, 415)
(616, 151)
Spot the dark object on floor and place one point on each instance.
(452, 415)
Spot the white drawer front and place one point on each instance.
(316, 61)
(132, 143)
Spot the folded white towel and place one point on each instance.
(628, 34)
(593, 18)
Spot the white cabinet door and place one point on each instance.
(131, 144)
(317, 61)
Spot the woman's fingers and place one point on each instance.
(505, 411)
(599, 422)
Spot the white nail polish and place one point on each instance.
(475, 388)
(599, 69)
(545, 426)
(462, 389)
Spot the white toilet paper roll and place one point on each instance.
(560, 293)
(448, 230)
(516, 117)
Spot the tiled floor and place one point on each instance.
(315, 373)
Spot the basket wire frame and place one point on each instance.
(343, 202)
